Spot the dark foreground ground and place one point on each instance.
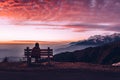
(59, 71)
(59, 75)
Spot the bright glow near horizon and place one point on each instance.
(11, 31)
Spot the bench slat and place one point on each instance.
(46, 49)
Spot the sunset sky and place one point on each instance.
(57, 20)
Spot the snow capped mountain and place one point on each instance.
(92, 41)
(98, 40)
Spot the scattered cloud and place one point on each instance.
(114, 28)
(75, 26)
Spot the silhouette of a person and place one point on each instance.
(36, 52)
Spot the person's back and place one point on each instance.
(36, 52)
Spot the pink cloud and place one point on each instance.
(60, 15)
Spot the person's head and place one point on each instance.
(36, 44)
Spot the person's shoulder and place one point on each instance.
(33, 48)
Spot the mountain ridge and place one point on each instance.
(92, 41)
(98, 40)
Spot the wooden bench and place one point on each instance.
(48, 53)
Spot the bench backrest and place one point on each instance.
(43, 52)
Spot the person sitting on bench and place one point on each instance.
(36, 52)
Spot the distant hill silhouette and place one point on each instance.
(105, 54)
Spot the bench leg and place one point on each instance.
(29, 61)
(36, 60)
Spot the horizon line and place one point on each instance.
(33, 42)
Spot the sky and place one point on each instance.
(57, 20)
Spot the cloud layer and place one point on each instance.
(72, 18)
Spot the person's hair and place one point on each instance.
(36, 44)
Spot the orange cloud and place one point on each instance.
(33, 42)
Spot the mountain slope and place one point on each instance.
(106, 54)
